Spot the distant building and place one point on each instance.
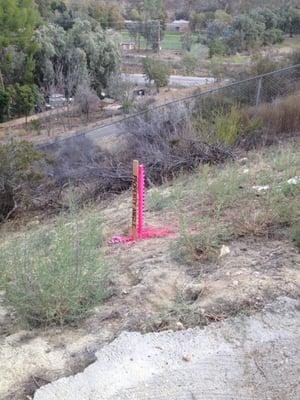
(180, 25)
(57, 100)
(127, 46)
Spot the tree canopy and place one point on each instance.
(45, 46)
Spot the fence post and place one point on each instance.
(258, 94)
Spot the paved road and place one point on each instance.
(175, 80)
(247, 358)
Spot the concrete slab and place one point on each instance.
(255, 358)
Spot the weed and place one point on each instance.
(296, 234)
(201, 246)
(54, 276)
(278, 118)
(253, 222)
(36, 126)
(227, 126)
(158, 200)
(227, 188)
(191, 315)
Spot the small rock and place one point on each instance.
(246, 171)
(179, 326)
(225, 250)
(193, 291)
(294, 181)
(243, 160)
(261, 188)
(186, 358)
(235, 283)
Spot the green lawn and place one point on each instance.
(234, 59)
(171, 40)
(293, 43)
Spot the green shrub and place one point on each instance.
(17, 175)
(55, 276)
(4, 104)
(189, 62)
(227, 126)
(156, 71)
(216, 48)
(202, 246)
(157, 201)
(36, 125)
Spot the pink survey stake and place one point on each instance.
(141, 200)
(138, 230)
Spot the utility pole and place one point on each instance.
(158, 38)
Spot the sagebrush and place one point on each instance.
(56, 275)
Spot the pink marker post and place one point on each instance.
(138, 230)
(141, 193)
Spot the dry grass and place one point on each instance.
(280, 118)
(220, 204)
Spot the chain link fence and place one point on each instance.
(250, 92)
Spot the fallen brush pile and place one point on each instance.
(98, 173)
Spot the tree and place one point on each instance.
(18, 19)
(265, 16)
(16, 175)
(121, 90)
(215, 30)
(272, 36)
(155, 18)
(221, 15)
(86, 99)
(48, 7)
(289, 20)
(187, 41)
(135, 15)
(216, 47)
(244, 34)
(100, 48)
(190, 62)
(4, 104)
(23, 99)
(66, 58)
(155, 10)
(197, 22)
(153, 33)
(109, 15)
(156, 71)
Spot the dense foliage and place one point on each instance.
(48, 48)
(262, 26)
(17, 175)
(157, 72)
(56, 46)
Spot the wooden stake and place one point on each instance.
(135, 174)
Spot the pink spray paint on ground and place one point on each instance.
(142, 232)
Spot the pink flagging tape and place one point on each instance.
(149, 233)
(152, 233)
(139, 232)
(141, 193)
(121, 240)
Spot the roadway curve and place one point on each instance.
(175, 80)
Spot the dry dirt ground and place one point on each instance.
(149, 291)
(61, 123)
(249, 358)
(50, 125)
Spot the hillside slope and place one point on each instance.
(234, 248)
